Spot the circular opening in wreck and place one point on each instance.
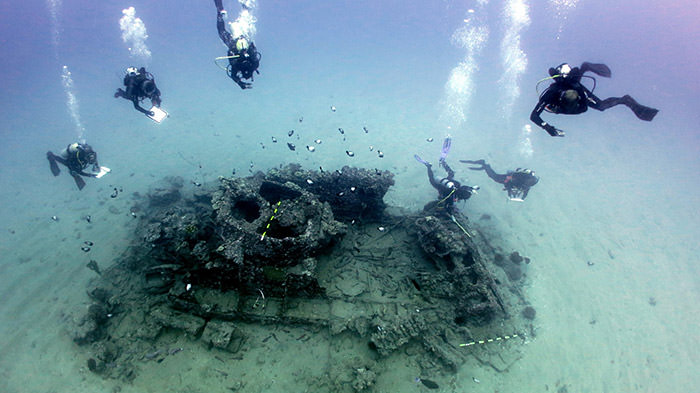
(280, 232)
(246, 210)
(372, 345)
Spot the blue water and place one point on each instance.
(613, 186)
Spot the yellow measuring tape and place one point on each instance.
(490, 340)
(270, 221)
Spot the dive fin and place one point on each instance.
(422, 161)
(79, 181)
(52, 163)
(645, 113)
(477, 162)
(596, 68)
(446, 144)
(642, 112)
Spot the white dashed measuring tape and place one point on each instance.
(490, 340)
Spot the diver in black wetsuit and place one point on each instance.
(76, 157)
(449, 189)
(139, 85)
(243, 56)
(517, 183)
(568, 96)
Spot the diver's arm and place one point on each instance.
(535, 116)
(255, 57)
(239, 82)
(155, 98)
(258, 56)
(138, 107)
(86, 174)
(76, 170)
(537, 111)
(129, 91)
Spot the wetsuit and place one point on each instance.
(449, 190)
(517, 183)
(553, 98)
(139, 87)
(76, 157)
(242, 63)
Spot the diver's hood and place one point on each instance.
(564, 70)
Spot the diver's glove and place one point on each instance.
(553, 131)
(515, 193)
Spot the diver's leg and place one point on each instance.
(450, 172)
(601, 105)
(60, 159)
(498, 178)
(221, 27)
(642, 112)
(431, 177)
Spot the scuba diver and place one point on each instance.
(139, 85)
(76, 157)
(449, 190)
(517, 183)
(568, 96)
(243, 57)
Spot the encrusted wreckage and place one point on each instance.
(305, 249)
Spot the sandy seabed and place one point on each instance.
(614, 290)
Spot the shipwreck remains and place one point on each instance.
(308, 250)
